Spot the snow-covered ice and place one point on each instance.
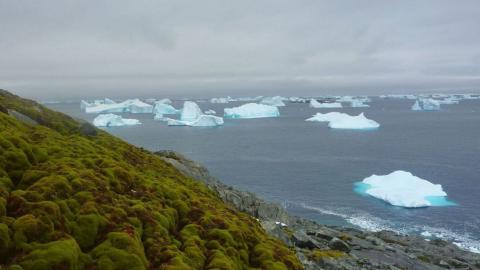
(315, 104)
(252, 110)
(276, 101)
(113, 120)
(401, 188)
(344, 121)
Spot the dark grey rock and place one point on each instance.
(338, 244)
(22, 118)
(88, 129)
(302, 240)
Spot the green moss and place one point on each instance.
(5, 243)
(86, 229)
(62, 254)
(318, 254)
(123, 250)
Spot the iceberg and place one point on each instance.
(220, 100)
(192, 116)
(426, 104)
(201, 121)
(251, 110)
(113, 120)
(190, 111)
(358, 104)
(164, 108)
(85, 104)
(344, 121)
(276, 101)
(127, 106)
(297, 100)
(401, 188)
(210, 112)
(315, 104)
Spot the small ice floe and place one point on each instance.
(426, 104)
(339, 120)
(318, 105)
(220, 100)
(113, 120)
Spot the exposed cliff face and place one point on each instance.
(75, 197)
(322, 247)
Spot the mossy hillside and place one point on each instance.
(70, 201)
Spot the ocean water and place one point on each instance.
(312, 170)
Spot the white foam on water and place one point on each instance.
(372, 223)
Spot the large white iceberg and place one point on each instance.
(127, 106)
(315, 104)
(426, 104)
(344, 121)
(113, 120)
(190, 111)
(401, 188)
(252, 110)
(276, 101)
(201, 121)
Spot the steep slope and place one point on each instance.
(73, 197)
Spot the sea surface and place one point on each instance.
(311, 169)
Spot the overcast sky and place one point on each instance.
(106, 48)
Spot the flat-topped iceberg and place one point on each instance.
(190, 111)
(127, 106)
(317, 105)
(276, 101)
(201, 121)
(252, 110)
(401, 188)
(344, 121)
(113, 120)
(426, 104)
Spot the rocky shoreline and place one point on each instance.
(326, 247)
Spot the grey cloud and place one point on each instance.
(76, 48)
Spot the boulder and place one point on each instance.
(338, 244)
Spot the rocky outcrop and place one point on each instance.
(326, 247)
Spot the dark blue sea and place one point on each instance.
(311, 169)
